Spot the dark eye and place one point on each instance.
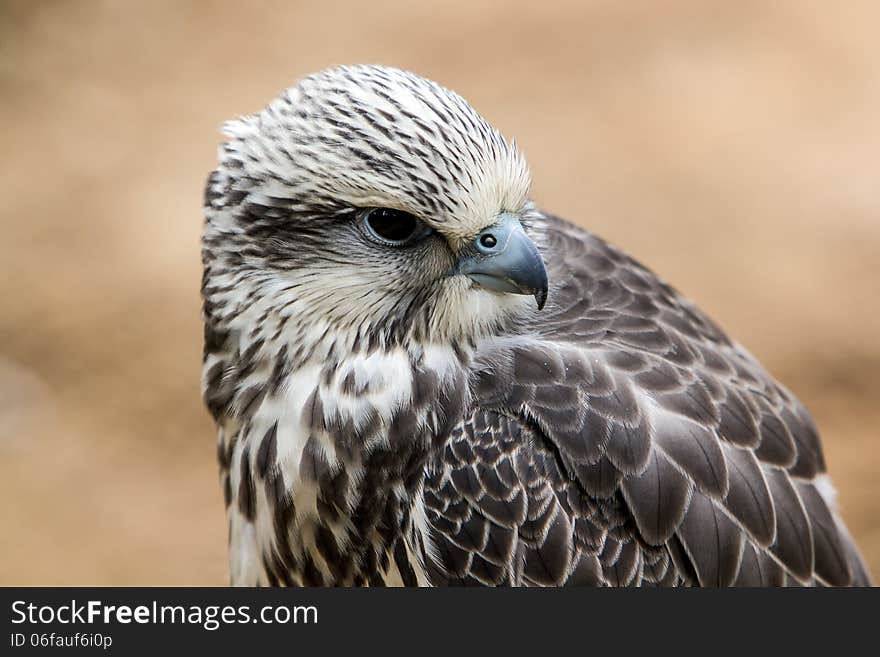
(394, 227)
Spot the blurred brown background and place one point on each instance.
(733, 147)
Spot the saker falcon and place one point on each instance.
(421, 378)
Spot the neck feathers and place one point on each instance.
(323, 460)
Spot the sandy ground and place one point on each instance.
(733, 147)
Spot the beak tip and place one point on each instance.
(541, 298)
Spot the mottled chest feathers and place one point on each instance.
(323, 471)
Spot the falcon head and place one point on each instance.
(368, 204)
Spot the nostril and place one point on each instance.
(488, 241)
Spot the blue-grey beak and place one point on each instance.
(504, 259)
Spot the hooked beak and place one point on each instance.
(502, 258)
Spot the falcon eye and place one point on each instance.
(394, 227)
(488, 241)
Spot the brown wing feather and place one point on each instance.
(502, 512)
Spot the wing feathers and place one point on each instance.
(748, 499)
(658, 498)
(600, 479)
(628, 447)
(758, 569)
(713, 542)
(794, 538)
(737, 423)
(777, 446)
(621, 438)
(696, 451)
(832, 564)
